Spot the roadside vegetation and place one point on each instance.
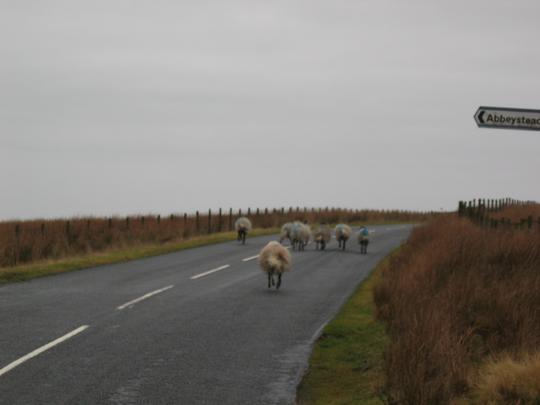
(110, 256)
(346, 366)
(461, 304)
(24, 243)
(452, 317)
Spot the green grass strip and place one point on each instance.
(45, 268)
(346, 366)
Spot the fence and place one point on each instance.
(26, 241)
(501, 213)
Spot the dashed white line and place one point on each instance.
(195, 277)
(247, 259)
(145, 296)
(40, 350)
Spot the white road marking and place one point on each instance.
(145, 296)
(40, 350)
(209, 272)
(247, 259)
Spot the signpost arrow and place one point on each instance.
(507, 118)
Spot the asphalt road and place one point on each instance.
(167, 330)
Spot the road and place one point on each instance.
(193, 327)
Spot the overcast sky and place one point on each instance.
(126, 107)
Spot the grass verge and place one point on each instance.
(40, 269)
(346, 366)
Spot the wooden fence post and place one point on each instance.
(230, 219)
(17, 244)
(219, 221)
(197, 221)
(209, 220)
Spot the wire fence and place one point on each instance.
(23, 242)
(506, 213)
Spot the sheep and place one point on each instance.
(274, 260)
(363, 239)
(343, 233)
(322, 237)
(242, 226)
(285, 232)
(300, 235)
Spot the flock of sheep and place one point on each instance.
(275, 259)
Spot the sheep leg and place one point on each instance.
(269, 278)
(344, 245)
(278, 281)
(243, 238)
(323, 245)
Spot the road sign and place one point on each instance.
(507, 118)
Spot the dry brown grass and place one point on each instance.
(519, 213)
(508, 380)
(454, 296)
(23, 242)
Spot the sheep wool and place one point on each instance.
(322, 237)
(285, 232)
(300, 235)
(343, 233)
(242, 224)
(274, 258)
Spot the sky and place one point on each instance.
(134, 107)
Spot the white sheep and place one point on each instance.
(363, 239)
(300, 235)
(322, 237)
(242, 226)
(285, 232)
(343, 233)
(274, 260)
